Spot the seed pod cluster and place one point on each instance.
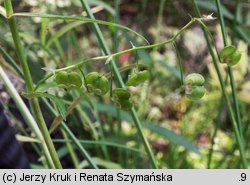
(97, 83)
(122, 98)
(230, 55)
(68, 80)
(194, 88)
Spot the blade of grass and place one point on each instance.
(71, 150)
(75, 18)
(61, 32)
(172, 137)
(102, 143)
(11, 61)
(101, 162)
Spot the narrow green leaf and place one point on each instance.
(166, 133)
(77, 18)
(22, 138)
(62, 31)
(106, 6)
(60, 104)
(90, 143)
(172, 137)
(100, 162)
(210, 5)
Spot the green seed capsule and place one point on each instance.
(122, 98)
(62, 79)
(126, 105)
(75, 79)
(194, 79)
(195, 92)
(97, 83)
(227, 51)
(229, 55)
(138, 78)
(121, 94)
(235, 58)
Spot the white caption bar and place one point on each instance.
(125, 176)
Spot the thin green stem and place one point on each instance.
(72, 136)
(223, 88)
(159, 19)
(11, 62)
(71, 150)
(214, 134)
(29, 83)
(26, 114)
(19, 48)
(119, 78)
(179, 62)
(229, 69)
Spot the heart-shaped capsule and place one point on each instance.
(229, 55)
(61, 79)
(138, 78)
(194, 88)
(74, 79)
(194, 79)
(97, 83)
(195, 92)
(122, 98)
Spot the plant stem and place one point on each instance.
(26, 114)
(106, 50)
(229, 69)
(159, 19)
(29, 83)
(72, 136)
(223, 88)
(214, 134)
(71, 150)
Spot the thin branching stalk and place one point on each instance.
(29, 83)
(111, 56)
(106, 50)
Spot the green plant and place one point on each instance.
(92, 128)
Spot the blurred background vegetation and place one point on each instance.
(181, 132)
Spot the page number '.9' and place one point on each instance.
(243, 177)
